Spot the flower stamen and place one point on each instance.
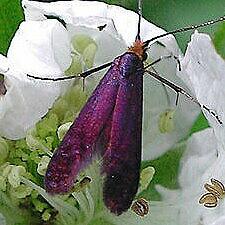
(216, 191)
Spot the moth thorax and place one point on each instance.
(138, 49)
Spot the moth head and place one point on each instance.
(139, 49)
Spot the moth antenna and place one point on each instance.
(79, 75)
(180, 90)
(177, 99)
(138, 37)
(184, 29)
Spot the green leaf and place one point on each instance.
(10, 17)
(219, 40)
(200, 124)
(166, 172)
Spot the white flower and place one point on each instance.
(120, 28)
(205, 71)
(204, 157)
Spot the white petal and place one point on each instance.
(4, 65)
(203, 160)
(205, 70)
(159, 214)
(156, 102)
(24, 104)
(200, 154)
(109, 43)
(27, 101)
(125, 21)
(220, 221)
(46, 53)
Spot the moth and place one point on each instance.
(216, 191)
(112, 119)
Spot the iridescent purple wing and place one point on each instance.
(121, 160)
(113, 117)
(79, 143)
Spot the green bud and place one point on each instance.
(35, 157)
(75, 66)
(76, 97)
(6, 169)
(63, 129)
(89, 55)
(32, 142)
(34, 194)
(146, 176)
(15, 174)
(42, 165)
(166, 121)
(81, 41)
(39, 206)
(21, 191)
(46, 215)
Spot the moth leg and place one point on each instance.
(164, 57)
(79, 75)
(160, 59)
(165, 90)
(180, 90)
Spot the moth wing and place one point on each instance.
(78, 145)
(121, 160)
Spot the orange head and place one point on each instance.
(138, 48)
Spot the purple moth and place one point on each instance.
(111, 119)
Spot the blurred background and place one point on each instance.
(172, 14)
